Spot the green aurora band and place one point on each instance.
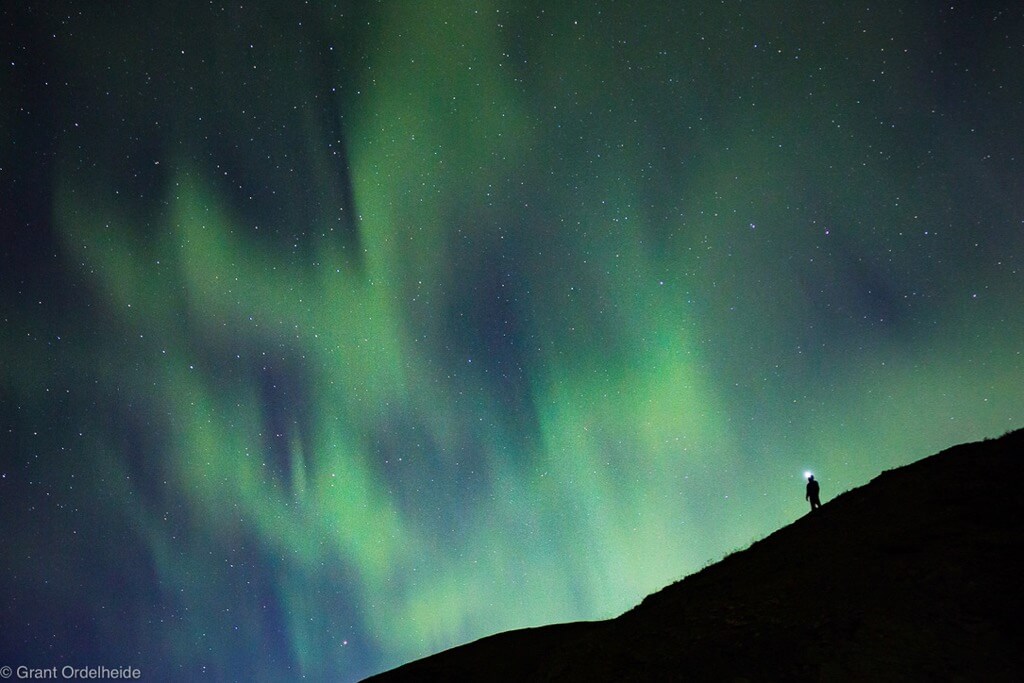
(380, 330)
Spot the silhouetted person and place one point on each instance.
(812, 493)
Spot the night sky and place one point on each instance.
(336, 334)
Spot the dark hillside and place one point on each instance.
(914, 576)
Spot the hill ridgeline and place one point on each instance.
(914, 576)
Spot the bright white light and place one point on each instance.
(807, 474)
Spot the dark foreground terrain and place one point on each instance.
(915, 576)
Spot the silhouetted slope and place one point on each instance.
(914, 576)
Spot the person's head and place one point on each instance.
(810, 477)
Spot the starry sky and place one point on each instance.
(335, 334)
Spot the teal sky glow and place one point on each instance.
(337, 334)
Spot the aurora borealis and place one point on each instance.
(336, 334)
